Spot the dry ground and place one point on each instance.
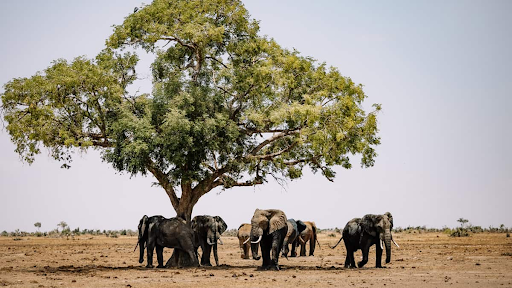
(423, 260)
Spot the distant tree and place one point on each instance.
(229, 107)
(63, 225)
(462, 222)
(37, 225)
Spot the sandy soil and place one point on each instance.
(423, 260)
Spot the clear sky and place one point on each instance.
(441, 70)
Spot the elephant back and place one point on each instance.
(244, 230)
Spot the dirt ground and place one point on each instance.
(423, 260)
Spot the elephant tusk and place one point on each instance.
(208, 241)
(257, 241)
(301, 240)
(220, 242)
(247, 240)
(136, 247)
(395, 243)
(381, 247)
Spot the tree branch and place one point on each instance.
(216, 60)
(272, 139)
(164, 182)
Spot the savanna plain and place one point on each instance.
(423, 260)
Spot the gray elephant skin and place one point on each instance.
(207, 231)
(157, 232)
(268, 229)
(362, 233)
(294, 230)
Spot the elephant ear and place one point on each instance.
(222, 225)
(194, 223)
(277, 221)
(390, 218)
(368, 224)
(142, 226)
(300, 226)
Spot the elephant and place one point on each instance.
(268, 229)
(207, 230)
(159, 232)
(294, 230)
(362, 233)
(308, 234)
(244, 236)
(143, 228)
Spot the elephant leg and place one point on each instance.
(294, 249)
(347, 261)
(277, 243)
(150, 247)
(378, 257)
(205, 258)
(266, 245)
(312, 244)
(303, 249)
(242, 247)
(160, 256)
(193, 257)
(246, 250)
(366, 251)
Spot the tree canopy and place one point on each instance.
(229, 107)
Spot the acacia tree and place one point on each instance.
(228, 108)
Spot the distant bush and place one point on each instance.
(230, 233)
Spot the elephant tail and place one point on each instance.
(337, 243)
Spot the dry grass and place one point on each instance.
(425, 260)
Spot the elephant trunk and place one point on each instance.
(387, 243)
(215, 254)
(142, 245)
(254, 250)
(256, 236)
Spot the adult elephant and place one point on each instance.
(244, 236)
(268, 229)
(143, 228)
(362, 233)
(294, 230)
(163, 232)
(309, 234)
(207, 231)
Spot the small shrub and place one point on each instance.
(331, 235)
(508, 234)
(460, 232)
(4, 233)
(230, 233)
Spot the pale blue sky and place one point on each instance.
(440, 69)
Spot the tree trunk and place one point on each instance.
(179, 257)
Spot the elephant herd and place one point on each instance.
(270, 230)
